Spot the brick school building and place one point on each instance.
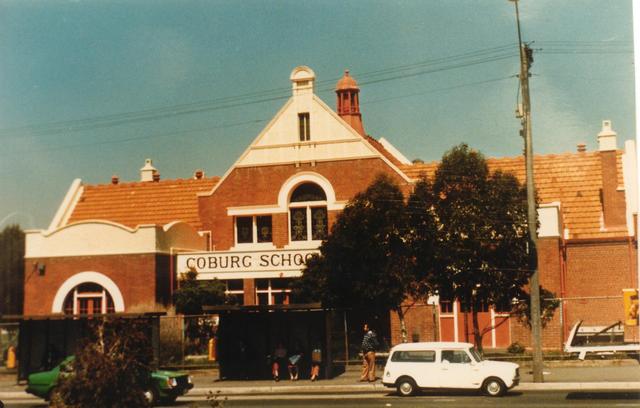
(121, 246)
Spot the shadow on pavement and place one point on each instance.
(460, 393)
(604, 395)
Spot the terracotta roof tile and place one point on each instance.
(137, 203)
(379, 147)
(573, 179)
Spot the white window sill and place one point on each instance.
(303, 244)
(261, 246)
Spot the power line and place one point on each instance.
(399, 72)
(372, 77)
(154, 136)
(184, 132)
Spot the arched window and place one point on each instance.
(308, 213)
(88, 298)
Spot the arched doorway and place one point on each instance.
(87, 299)
(88, 293)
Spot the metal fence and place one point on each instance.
(8, 338)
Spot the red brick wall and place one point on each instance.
(135, 276)
(552, 337)
(248, 186)
(249, 287)
(550, 264)
(613, 201)
(596, 272)
(419, 320)
(607, 267)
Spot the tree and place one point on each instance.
(110, 369)
(482, 237)
(548, 304)
(11, 270)
(189, 299)
(421, 237)
(193, 294)
(364, 262)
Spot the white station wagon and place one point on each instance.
(442, 365)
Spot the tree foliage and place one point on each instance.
(193, 294)
(482, 238)
(421, 237)
(364, 262)
(110, 369)
(11, 270)
(548, 305)
(463, 237)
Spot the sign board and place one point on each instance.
(245, 264)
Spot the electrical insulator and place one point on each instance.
(519, 111)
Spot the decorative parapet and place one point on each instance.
(94, 238)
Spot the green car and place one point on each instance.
(165, 385)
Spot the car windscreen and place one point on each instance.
(474, 353)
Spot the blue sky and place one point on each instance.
(91, 88)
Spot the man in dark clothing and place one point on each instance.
(369, 347)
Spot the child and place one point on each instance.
(316, 360)
(279, 356)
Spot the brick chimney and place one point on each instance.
(147, 172)
(613, 202)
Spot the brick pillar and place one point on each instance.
(249, 286)
(613, 201)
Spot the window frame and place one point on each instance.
(272, 292)
(304, 126)
(234, 293)
(77, 300)
(455, 351)
(255, 237)
(308, 206)
(398, 356)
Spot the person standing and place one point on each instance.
(369, 347)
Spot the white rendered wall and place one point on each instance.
(104, 238)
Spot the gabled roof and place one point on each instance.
(379, 147)
(573, 179)
(137, 203)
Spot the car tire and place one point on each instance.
(152, 397)
(406, 386)
(494, 387)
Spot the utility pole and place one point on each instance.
(526, 59)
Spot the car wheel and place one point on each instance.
(494, 387)
(406, 386)
(151, 395)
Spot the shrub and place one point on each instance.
(515, 348)
(110, 369)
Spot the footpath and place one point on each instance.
(594, 375)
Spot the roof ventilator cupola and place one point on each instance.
(147, 172)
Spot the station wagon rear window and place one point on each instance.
(414, 356)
